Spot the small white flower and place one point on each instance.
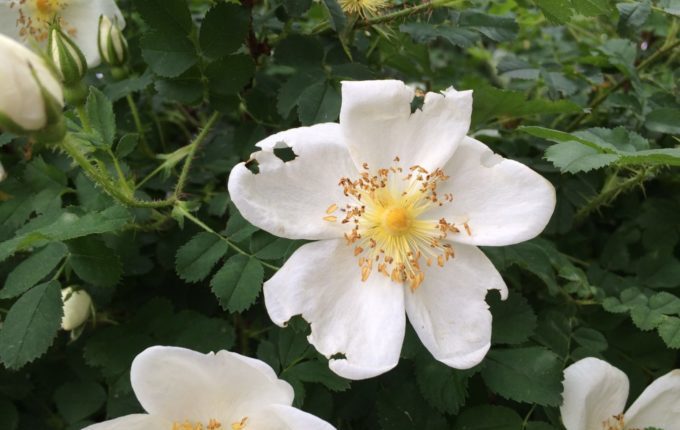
(77, 308)
(182, 389)
(27, 20)
(113, 47)
(30, 95)
(595, 394)
(397, 202)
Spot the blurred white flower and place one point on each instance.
(31, 97)
(25, 20)
(182, 389)
(77, 308)
(3, 174)
(595, 394)
(406, 197)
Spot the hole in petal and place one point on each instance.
(338, 356)
(417, 102)
(285, 154)
(253, 166)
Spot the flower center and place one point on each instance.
(213, 424)
(35, 17)
(388, 224)
(397, 221)
(613, 423)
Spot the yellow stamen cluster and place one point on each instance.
(614, 423)
(213, 424)
(386, 228)
(363, 8)
(239, 425)
(35, 17)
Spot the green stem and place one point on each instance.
(204, 226)
(114, 190)
(184, 174)
(116, 165)
(138, 125)
(84, 120)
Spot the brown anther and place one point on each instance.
(467, 228)
(358, 250)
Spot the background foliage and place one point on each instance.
(584, 91)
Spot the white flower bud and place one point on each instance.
(67, 57)
(31, 97)
(3, 174)
(113, 47)
(77, 308)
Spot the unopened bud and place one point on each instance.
(31, 97)
(3, 174)
(113, 47)
(67, 57)
(77, 308)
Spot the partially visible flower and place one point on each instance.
(31, 97)
(113, 46)
(595, 394)
(27, 20)
(77, 308)
(66, 57)
(363, 8)
(3, 174)
(398, 202)
(182, 389)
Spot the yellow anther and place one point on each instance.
(330, 218)
(239, 425)
(332, 208)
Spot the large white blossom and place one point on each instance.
(28, 89)
(27, 20)
(182, 389)
(595, 394)
(397, 202)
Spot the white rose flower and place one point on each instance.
(182, 389)
(77, 308)
(398, 202)
(595, 394)
(30, 19)
(31, 97)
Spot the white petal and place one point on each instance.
(502, 201)
(594, 391)
(83, 15)
(133, 422)
(365, 321)
(658, 406)
(291, 199)
(378, 125)
(180, 384)
(279, 417)
(449, 311)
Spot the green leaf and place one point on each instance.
(296, 7)
(224, 29)
(590, 339)
(230, 74)
(186, 88)
(513, 320)
(316, 372)
(238, 283)
(32, 270)
(573, 157)
(446, 389)
(319, 103)
(67, 226)
(168, 54)
(670, 332)
(31, 325)
(490, 102)
(79, 400)
(532, 375)
(166, 15)
(290, 92)
(94, 262)
(488, 417)
(496, 28)
(196, 259)
(557, 11)
(299, 52)
(423, 33)
(592, 7)
(101, 116)
(337, 18)
(632, 16)
(666, 120)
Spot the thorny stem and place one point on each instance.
(138, 125)
(184, 174)
(607, 195)
(188, 215)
